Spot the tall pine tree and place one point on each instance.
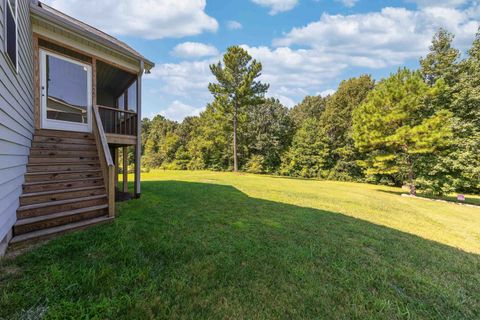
(237, 87)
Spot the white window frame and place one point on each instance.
(60, 124)
(14, 66)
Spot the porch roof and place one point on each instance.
(94, 34)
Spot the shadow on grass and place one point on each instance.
(192, 250)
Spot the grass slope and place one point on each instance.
(221, 245)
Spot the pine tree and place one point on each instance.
(237, 87)
(396, 125)
(442, 60)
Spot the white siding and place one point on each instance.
(16, 116)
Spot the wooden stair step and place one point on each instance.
(50, 185)
(57, 219)
(51, 232)
(61, 175)
(44, 139)
(55, 167)
(39, 209)
(45, 153)
(46, 160)
(63, 146)
(55, 195)
(63, 134)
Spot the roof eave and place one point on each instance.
(43, 14)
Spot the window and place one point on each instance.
(121, 102)
(67, 90)
(132, 97)
(11, 31)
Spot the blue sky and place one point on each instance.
(306, 46)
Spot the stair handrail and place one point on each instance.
(106, 161)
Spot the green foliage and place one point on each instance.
(336, 120)
(256, 164)
(397, 125)
(440, 62)
(457, 168)
(159, 141)
(268, 133)
(310, 107)
(309, 153)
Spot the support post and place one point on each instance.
(138, 146)
(125, 169)
(117, 166)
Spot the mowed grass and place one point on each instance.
(205, 245)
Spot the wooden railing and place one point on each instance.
(117, 121)
(106, 161)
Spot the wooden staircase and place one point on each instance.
(64, 188)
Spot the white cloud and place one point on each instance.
(439, 3)
(286, 101)
(194, 50)
(348, 3)
(325, 93)
(385, 38)
(178, 111)
(293, 74)
(234, 25)
(277, 6)
(149, 19)
(187, 79)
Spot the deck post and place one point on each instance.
(138, 145)
(125, 169)
(117, 165)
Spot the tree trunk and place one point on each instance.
(235, 160)
(411, 177)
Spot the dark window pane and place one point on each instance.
(132, 97)
(121, 102)
(11, 26)
(67, 90)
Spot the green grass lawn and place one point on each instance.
(204, 245)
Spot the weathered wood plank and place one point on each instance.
(55, 195)
(45, 153)
(44, 139)
(35, 210)
(60, 185)
(31, 168)
(64, 160)
(55, 176)
(59, 219)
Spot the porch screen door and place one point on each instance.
(66, 93)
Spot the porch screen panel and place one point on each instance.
(67, 90)
(132, 97)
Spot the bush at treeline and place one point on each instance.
(420, 128)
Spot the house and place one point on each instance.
(70, 103)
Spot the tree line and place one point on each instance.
(415, 127)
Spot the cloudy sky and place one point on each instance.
(306, 46)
